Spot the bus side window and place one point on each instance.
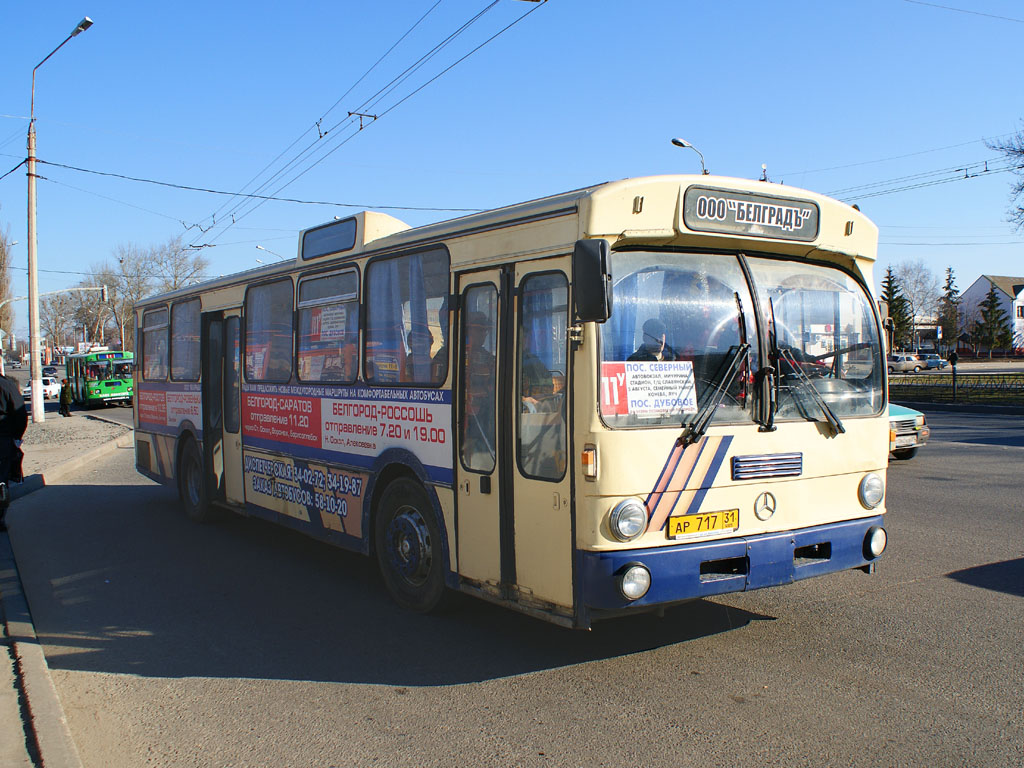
(542, 365)
(477, 416)
(405, 300)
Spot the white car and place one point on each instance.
(51, 388)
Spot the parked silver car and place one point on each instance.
(901, 363)
(932, 360)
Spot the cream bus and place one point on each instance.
(611, 400)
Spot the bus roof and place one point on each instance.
(103, 354)
(654, 210)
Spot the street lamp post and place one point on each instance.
(35, 351)
(261, 248)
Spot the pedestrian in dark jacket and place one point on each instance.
(65, 398)
(13, 421)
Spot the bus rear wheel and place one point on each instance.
(409, 551)
(192, 485)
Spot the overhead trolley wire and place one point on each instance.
(402, 77)
(259, 197)
(332, 131)
(336, 103)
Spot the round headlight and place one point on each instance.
(871, 490)
(628, 520)
(875, 541)
(634, 581)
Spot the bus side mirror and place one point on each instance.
(591, 281)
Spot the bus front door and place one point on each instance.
(512, 484)
(221, 393)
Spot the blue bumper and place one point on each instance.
(691, 571)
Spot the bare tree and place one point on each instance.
(1013, 150)
(128, 281)
(175, 266)
(7, 312)
(56, 315)
(88, 311)
(921, 289)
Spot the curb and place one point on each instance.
(35, 482)
(45, 724)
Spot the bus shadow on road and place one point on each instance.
(1007, 576)
(132, 587)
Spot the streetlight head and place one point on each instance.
(681, 143)
(83, 25)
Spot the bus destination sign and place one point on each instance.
(744, 213)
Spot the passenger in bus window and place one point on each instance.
(417, 359)
(536, 381)
(653, 346)
(480, 387)
(439, 360)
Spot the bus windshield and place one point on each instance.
(680, 324)
(105, 370)
(824, 338)
(678, 320)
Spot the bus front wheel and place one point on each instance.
(409, 551)
(192, 484)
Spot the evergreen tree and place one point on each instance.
(993, 327)
(949, 311)
(899, 311)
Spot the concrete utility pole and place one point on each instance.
(35, 351)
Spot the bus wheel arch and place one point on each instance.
(408, 544)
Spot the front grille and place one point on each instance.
(902, 425)
(769, 465)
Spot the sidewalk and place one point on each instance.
(33, 731)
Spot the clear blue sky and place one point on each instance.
(830, 96)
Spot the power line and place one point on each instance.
(963, 173)
(393, 106)
(961, 10)
(894, 157)
(312, 148)
(264, 198)
(13, 170)
(959, 168)
(955, 245)
(299, 138)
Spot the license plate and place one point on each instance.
(903, 441)
(703, 522)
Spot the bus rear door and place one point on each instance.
(221, 392)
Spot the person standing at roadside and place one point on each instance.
(13, 421)
(65, 398)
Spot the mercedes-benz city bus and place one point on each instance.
(606, 401)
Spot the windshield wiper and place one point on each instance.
(771, 373)
(700, 424)
(809, 389)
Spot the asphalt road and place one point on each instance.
(242, 644)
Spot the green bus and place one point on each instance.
(101, 377)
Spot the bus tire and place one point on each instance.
(192, 484)
(409, 550)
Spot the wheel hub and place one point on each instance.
(409, 546)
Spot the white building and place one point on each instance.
(1010, 291)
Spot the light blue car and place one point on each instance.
(908, 430)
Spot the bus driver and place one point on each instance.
(653, 346)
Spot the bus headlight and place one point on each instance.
(628, 520)
(634, 581)
(871, 490)
(874, 542)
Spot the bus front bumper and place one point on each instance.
(701, 569)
